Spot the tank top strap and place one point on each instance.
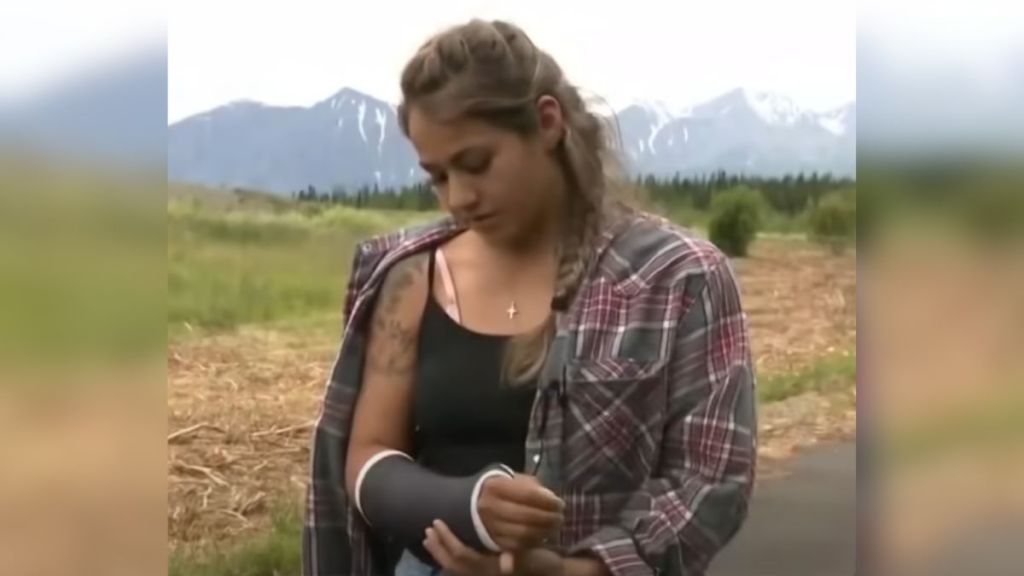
(451, 300)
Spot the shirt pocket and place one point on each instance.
(614, 416)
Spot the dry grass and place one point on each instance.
(240, 412)
(241, 404)
(801, 301)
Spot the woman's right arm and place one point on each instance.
(382, 413)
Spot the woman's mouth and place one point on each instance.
(482, 219)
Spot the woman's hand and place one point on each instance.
(457, 558)
(519, 513)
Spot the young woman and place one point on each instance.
(544, 382)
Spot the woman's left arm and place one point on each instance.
(698, 498)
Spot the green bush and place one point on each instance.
(834, 222)
(736, 217)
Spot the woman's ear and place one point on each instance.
(552, 122)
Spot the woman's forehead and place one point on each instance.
(437, 141)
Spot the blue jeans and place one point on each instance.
(409, 565)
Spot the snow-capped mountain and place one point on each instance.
(352, 139)
(742, 132)
(349, 139)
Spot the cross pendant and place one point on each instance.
(512, 310)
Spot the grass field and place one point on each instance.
(231, 264)
(255, 288)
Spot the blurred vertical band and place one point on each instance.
(941, 183)
(82, 284)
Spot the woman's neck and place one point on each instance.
(531, 249)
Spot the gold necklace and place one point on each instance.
(512, 311)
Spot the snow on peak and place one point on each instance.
(834, 121)
(382, 122)
(656, 108)
(774, 108)
(661, 110)
(362, 115)
(661, 114)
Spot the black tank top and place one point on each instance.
(464, 417)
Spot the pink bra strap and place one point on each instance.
(451, 300)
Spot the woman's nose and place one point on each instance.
(462, 195)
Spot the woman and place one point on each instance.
(545, 382)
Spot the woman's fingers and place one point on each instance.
(515, 526)
(438, 550)
(523, 490)
(515, 513)
(506, 564)
(516, 536)
(456, 549)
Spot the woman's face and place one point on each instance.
(502, 185)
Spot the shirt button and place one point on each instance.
(536, 458)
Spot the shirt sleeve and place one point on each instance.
(327, 546)
(697, 500)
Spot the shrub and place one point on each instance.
(834, 222)
(735, 220)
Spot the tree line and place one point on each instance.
(416, 197)
(790, 194)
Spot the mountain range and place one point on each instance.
(352, 139)
(119, 113)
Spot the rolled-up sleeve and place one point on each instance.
(698, 497)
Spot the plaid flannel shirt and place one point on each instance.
(644, 420)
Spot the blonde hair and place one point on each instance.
(493, 72)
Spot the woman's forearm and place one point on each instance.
(399, 497)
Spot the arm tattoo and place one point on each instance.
(394, 349)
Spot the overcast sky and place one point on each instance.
(678, 51)
(300, 52)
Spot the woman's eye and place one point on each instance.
(477, 166)
(439, 179)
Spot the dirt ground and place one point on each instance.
(241, 405)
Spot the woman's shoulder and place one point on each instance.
(648, 249)
(406, 238)
(377, 255)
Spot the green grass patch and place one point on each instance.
(236, 258)
(275, 552)
(235, 264)
(833, 373)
